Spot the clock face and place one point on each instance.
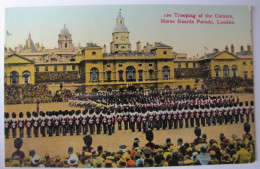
(122, 37)
(66, 37)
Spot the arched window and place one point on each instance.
(245, 75)
(95, 90)
(234, 71)
(120, 73)
(130, 73)
(14, 77)
(26, 77)
(188, 87)
(180, 87)
(217, 71)
(167, 87)
(140, 75)
(150, 74)
(166, 72)
(94, 75)
(109, 76)
(225, 71)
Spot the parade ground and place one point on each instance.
(57, 145)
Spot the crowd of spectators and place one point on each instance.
(66, 76)
(201, 151)
(189, 73)
(27, 93)
(228, 85)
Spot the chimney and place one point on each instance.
(242, 48)
(226, 48)
(138, 47)
(232, 49)
(215, 50)
(249, 47)
(105, 49)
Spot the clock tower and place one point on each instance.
(65, 40)
(120, 35)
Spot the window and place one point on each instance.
(164, 52)
(93, 53)
(64, 67)
(26, 77)
(140, 75)
(139, 64)
(244, 63)
(217, 71)
(150, 64)
(66, 45)
(94, 75)
(179, 65)
(46, 68)
(166, 73)
(151, 74)
(251, 62)
(108, 65)
(194, 65)
(226, 71)
(234, 71)
(130, 73)
(36, 68)
(187, 65)
(55, 68)
(245, 75)
(73, 67)
(120, 75)
(120, 65)
(14, 77)
(108, 76)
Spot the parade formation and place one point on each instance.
(162, 109)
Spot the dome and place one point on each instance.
(120, 28)
(65, 31)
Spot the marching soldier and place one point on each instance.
(186, 117)
(35, 124)
(28, 123)
(126, 118)
(151, 118)
(197, 118)
(21, 125)
(175, 118)
(98, 120)
(49, 123)
(180, 118)
(237, 112)
(109, 122)
(113, 119)
(14, 124)
(242, 111)
(231, 113)
(202, 115)
(91, 121)
(71, 122)
(192, 116)
(57, 124)
(208, 117)
(84, 122)
(139, 119)
(119, 118)
(144, 119)
(64, 123)
(132, 121)
(104, 120)
(42, 124)
(7, 125)
(164, 118)
(226, 113)
(78, 122)
(220, 116)
(157, 118)
(169, 118)
(247, 111)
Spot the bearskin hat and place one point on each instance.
(21, 114)
(252, 103)
(13, 115)
(87, 140)
(28, 114)
(6, 115)
(18, 142)
(149, 135)
(247, 127)
(197, 131)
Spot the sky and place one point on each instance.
(95, 23)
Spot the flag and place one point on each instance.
(206, 48)
(8, 34)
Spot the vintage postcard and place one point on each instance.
(111, 86)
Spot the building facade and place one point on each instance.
(91, 68)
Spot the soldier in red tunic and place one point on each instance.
(119, 118)
(144, 119)
(21, 125)
(84, 121)
(169, 117)
(91, 120)
(49, 123)
(7, 125)
(14, 124)
(98, 120)
(104, 120)
(42, 124)
(139, 119)
(126, 118)
(28, 124)
(71, 123)
(35, 122)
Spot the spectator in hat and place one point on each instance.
(213, 159)
(242, 156)
(168, 143)
(73, 158)
(139, 163)
(18, 142)
(203, 158)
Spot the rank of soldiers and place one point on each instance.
(99, 118)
